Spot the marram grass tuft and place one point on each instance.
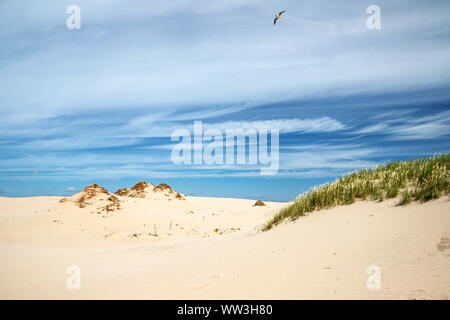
(421, 180)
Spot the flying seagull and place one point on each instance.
(278, 16)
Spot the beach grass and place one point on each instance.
(420, 179)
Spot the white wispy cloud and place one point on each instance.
(373, 128)
(322, 124)
(412, 128)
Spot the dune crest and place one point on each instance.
(142, 189)
(139, 190)
(95, 196)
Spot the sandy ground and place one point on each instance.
(210, 248)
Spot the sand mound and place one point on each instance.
(168, 192)
(122, 192)
(179, 197)
(139, 190)
(95, 196)
(259, 203)
(113, 205)
(143, 189)
(163, 187)
(89, 193)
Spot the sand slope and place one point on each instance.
(213, 250)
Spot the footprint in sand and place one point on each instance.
(444, 246)
(217, 276)
(207, 283)
(201, 286)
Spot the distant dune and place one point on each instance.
(143, 213)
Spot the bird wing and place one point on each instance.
(275, 20)
(281, 12)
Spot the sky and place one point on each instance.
(99, 104)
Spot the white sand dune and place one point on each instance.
(210, 248)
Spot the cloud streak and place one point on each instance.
(412, 128)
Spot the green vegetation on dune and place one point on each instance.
(422, 180)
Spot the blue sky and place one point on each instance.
(99, 104)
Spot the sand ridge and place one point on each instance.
(142, 189)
